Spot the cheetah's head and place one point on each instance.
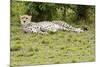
(25, 19)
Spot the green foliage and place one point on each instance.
(91, 15)
(52, 11)
(86, 13)
(41, 11)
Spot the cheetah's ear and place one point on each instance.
(30, 16)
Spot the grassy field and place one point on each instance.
(54, 48)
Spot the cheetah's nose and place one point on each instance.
(24, 21)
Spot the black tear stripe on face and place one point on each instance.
(23, 17)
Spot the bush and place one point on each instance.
(51, 11)
(17, 9)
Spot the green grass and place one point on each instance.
(60, 47)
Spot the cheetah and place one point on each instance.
(45, 26)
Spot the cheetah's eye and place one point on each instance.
(26, 18)
(22, 17)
